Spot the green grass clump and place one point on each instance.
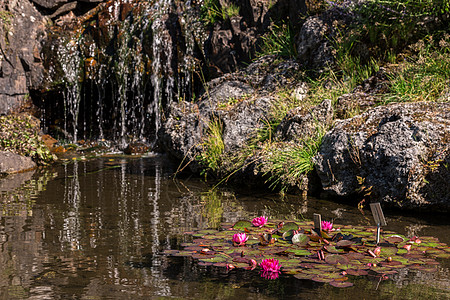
(279, 40)
(20, 134)
(424, 76)
(286, 165)
(211, 11)
(211, 156)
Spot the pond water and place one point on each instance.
(96, 230)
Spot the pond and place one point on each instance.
(97, 229)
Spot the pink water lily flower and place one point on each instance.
(259, 221)
(327, 226)
(239, 239)
(270, 265)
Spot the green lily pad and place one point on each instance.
(336, 259)
(388, 251)
(321, 279)
(214, 259)
(288, 226)
(300, 239)
(333, 249)
(304, 276)
(299, 252)
(242, 224)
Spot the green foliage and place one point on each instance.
(19, 135)
(213, 147)
(279, 40)
(211, 11)
(287, 166)
(424, 76)
(280, 107)
(388, 25)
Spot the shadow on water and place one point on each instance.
(96, 230)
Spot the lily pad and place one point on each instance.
(344, 243)
(388, 251)
(299, 252)
(288, 226)
(304, 276)
(242, 224)
(333, 249)
(321, 279)
(336, 259)
(356, 272)
(300, 239)
(394, 239)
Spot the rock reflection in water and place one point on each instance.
(96, 230)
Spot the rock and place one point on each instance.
(22, 30)
(314, 48)
(136, 148)
(300, 123)
(239, 101)
(14, 163)
(401, 151)
(364, 96)
(182, 134)
(241, 123)
(236, 40)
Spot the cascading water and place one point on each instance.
(121, 68)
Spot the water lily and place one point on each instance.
(259, 221)
(407, 247)
(239, 239)
(327, 226)
(270, 265)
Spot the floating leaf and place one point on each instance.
(299, 252)
(388, 251)
(336, 259)
(321, 279)
(344, 243)
(304, 276)
(333, 249)
(394, 239)
(288, 226)
(243, 224)
(356, 272)
(300, 239)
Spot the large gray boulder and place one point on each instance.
(400, 151)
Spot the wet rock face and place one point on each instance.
(21, 30)
(399, 150)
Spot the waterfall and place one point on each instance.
(121, 68)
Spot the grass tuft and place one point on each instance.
(211, 156)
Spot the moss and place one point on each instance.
(20, 133)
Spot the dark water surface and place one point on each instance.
(96, 229)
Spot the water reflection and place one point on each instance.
(96, 230)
